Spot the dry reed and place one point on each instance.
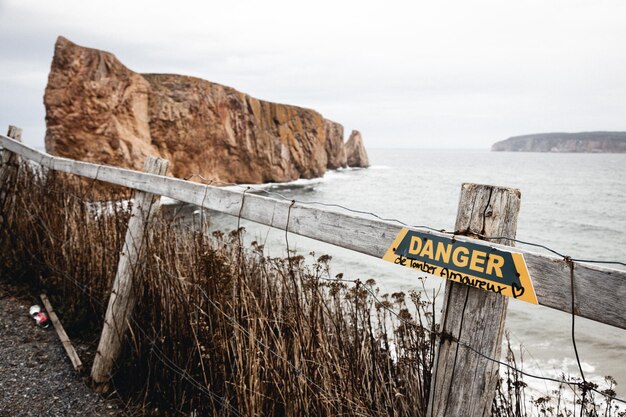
(220, 329)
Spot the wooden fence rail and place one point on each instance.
(600, 292)
(463, 382)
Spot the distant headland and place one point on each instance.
(583, 142)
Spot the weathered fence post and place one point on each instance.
(122, 300)
(464, 382)
(5, 162)
(14, 133)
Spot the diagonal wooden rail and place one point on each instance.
(124, 291)
(600, 292)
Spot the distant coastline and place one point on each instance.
(582, 142)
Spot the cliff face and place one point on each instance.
(220, 133)
(591, 142)
(98, 110)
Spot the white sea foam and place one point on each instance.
(299, 183)
(99, 208)
(570, 365)
(166, 201)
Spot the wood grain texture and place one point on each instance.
(65, 340)
(463, 382)
(600, 292)
(7, 159)
(15, 133)
(123, 298)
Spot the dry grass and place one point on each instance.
(222, 330)
(572, 399)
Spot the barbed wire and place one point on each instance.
(186, 376)
(247, 188)
(584, 386)
(465, 345)
(158, 352)
(297, 369)
(171, 365)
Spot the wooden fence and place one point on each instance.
(599, 292)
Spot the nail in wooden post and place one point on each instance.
(122, 300)
(463, 382)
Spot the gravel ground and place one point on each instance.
(36, 376)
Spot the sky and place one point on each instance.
(406, 74)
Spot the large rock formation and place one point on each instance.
(595, 142)
(215, 131)
(335, 148)
(356, 155)
(98, 110)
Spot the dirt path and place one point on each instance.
(36, 376)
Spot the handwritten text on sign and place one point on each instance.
(489, 269)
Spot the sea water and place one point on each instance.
(574, 203)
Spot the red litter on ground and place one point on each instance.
(40, 317)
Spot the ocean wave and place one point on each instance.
(99, 208)
(300, 183)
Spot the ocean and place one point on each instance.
(573, 203)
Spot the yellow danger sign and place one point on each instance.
(489, 269)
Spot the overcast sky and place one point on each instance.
(436, 74)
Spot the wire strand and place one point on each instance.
(425, 227)
(584, 386)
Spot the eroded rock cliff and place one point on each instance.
(98, 110)
(221, 133)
